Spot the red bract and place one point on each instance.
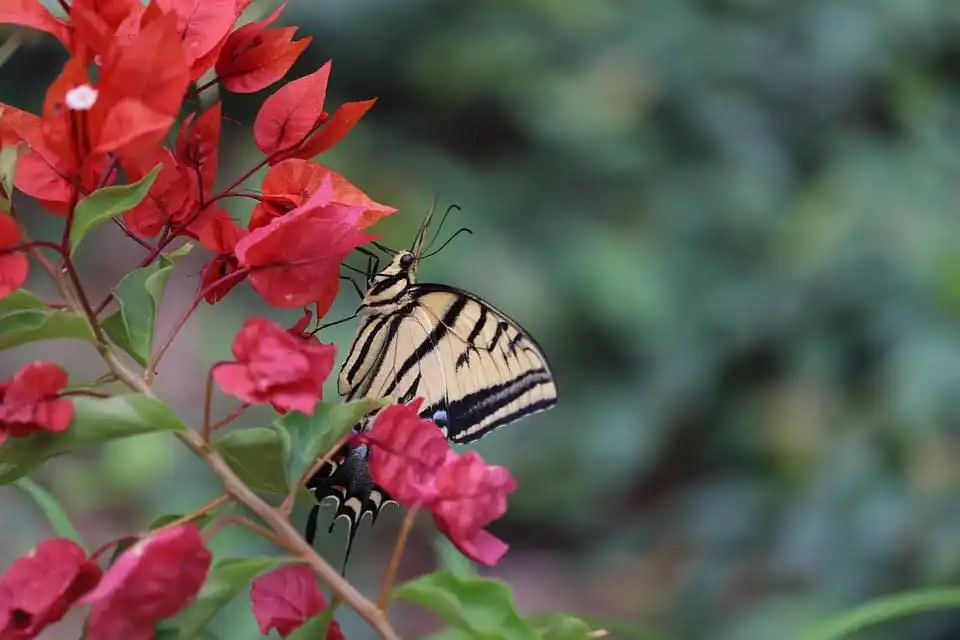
(289, 184)
(197, 146)
(202, 27)
(333, 130)
(29, 401)
(31, 13)
(294, 259)
(469, 495)
(151, 580)
(254, 57)
(172, 196)
(39, 588)
(13, 264)
(274, 366)
(291, 113)
(407, 451)
(220, 235)
(285, 598)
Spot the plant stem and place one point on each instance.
(287, 536)
(193, 515)
(387, 584)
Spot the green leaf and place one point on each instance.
(884, 609)
(257, 455)
(31, 325)
(52, 509)
(315, 627)
(480, 606)
(560, 626)
(227, 578)
(138, 297)
(312, 436)
(107, 203)
(95, 421)
(21, 299)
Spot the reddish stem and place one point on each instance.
(186, 315)
(383, 602)
(219, 424)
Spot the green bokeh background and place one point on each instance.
(732, 225)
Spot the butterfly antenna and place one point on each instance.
(449, 240)
(442, 220)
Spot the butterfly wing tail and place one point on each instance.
(346, 479)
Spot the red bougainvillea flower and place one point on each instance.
(220, 234)
(407, 452)
(291, 123)
(172, 196)
(412, 460)
(254, 57)
(289, 184)
(141, 82)
(13, 264)
(152, 580)
(294, 259)
(29, 402)
(39, 588)
(469, 495)
(287, 597)
(273, 366)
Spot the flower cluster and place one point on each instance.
(152, 580)
(29, 401)
(413, 461)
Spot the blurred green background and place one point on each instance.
(733, 227)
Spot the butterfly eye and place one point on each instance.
(406, 260)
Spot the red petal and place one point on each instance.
(201, 26)
(31, 13)
(293, 259)
(274, 366)
(42, 585)
(406, 452)
(290, 114)
(263, 64)
(151, 580)
(197, 145)
(285, 598)
(150, 69)
(338, 126)
(171, 198)
(482, 547)
(31, 398)
(471, 493)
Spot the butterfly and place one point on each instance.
(476, 368)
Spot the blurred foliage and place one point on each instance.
(731, 224)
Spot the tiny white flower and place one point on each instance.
(82, 98)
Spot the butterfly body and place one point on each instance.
(476, 368)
